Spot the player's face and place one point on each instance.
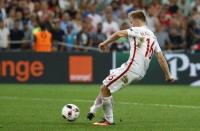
(135, 22)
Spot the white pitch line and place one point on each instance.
(29, 99)
(146, 104)
(90, 101)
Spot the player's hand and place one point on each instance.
(103, 47)
(170, 79)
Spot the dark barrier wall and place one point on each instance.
(185, 67)
(29, 67)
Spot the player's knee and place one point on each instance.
(105, 91)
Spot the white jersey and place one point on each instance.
(143, 44)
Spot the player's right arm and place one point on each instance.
(104, 45)
(163, 63)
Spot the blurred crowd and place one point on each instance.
(86, 23)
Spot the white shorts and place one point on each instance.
(120, 77)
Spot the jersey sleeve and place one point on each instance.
(131, 33)
(157, 47)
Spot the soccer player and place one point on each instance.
(143, 44)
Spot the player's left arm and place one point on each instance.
(163, 64)
(104, 45)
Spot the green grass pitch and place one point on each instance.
(136, 108)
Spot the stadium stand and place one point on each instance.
(88, 22)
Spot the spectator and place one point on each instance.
(195, 16)
(57, 32)
(11, 18)
(2, 10)
(58, 35)
(185, 7)
(27, 36)
(173, 7)
(109, 10)
(83, 37)
(70, 37)
(77, 22)
(66, 4)
(43, 40)
(57, 12)
(176, 36)
(98, 37)
(64, 22)
(164, 17)
(4, 34)
(122, 44)
(53, 5)
(96, 18)
(110, 13)
(30, 5)
(116, 9)
(36, 6)
(198, 5)
(18, 18)
(44, 11)
(16, 36)
(152, 19)
(72, 10)
(34, 23)
(162, 36)
(109, 25)
(122, 18)
(127, 5)
(90, 27)
(192, 37)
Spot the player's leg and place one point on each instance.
(107, 104)
(107, 100)
(115, 81)
(107, 107)
(104, 98)
(97, 104)
(111, 84)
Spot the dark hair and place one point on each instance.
(43, 26)
(139, 14)
(191, 24)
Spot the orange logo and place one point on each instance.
(80, 69)
(21, 70)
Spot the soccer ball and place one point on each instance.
(70, 112)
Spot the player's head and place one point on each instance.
(43, 26)
(137, 18)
